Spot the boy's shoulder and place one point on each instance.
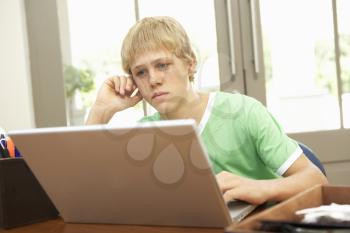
(234, 100)
(235, 96)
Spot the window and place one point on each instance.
(300, 70)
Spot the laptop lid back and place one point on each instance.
(145, 174)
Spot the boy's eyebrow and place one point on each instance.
(152, 62)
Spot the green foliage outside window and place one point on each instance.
(76, 79)
(345, 62)
(326, 66)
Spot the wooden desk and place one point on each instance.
(58, 226)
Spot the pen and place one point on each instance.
(1, 152)
(11, 147)
(3, 143)
(134, 92)
(4, 151)
(1, 146)
(17, 153)
(8, 148)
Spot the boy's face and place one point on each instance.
(162, 79)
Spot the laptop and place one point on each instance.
(153, 173)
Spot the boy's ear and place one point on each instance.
(192, 66)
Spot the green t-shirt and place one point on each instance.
(242, 137)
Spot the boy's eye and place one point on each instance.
(162, 66)
(140, 73)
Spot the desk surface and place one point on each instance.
(58, 226)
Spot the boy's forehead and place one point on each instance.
(148, 57)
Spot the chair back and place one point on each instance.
(312, 157)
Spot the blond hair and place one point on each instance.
(153, 33)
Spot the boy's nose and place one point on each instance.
(155, 77)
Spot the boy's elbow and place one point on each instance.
(320, 178)
(323, 179)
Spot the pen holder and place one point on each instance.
(22, 199)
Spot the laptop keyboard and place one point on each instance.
(239, 209)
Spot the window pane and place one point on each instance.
(343, 9)
(200, 26)
(96, 31)
(299, 63)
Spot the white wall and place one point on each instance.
(16, 110)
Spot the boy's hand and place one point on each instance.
(241, 188)
(113, 96)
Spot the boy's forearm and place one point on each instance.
(284, 188)
(98, 116)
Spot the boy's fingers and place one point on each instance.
(122, 81)
(229, 195)
(116, 82)
(129, 84)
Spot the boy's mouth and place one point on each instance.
(159, 94)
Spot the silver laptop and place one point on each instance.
(144, 174)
